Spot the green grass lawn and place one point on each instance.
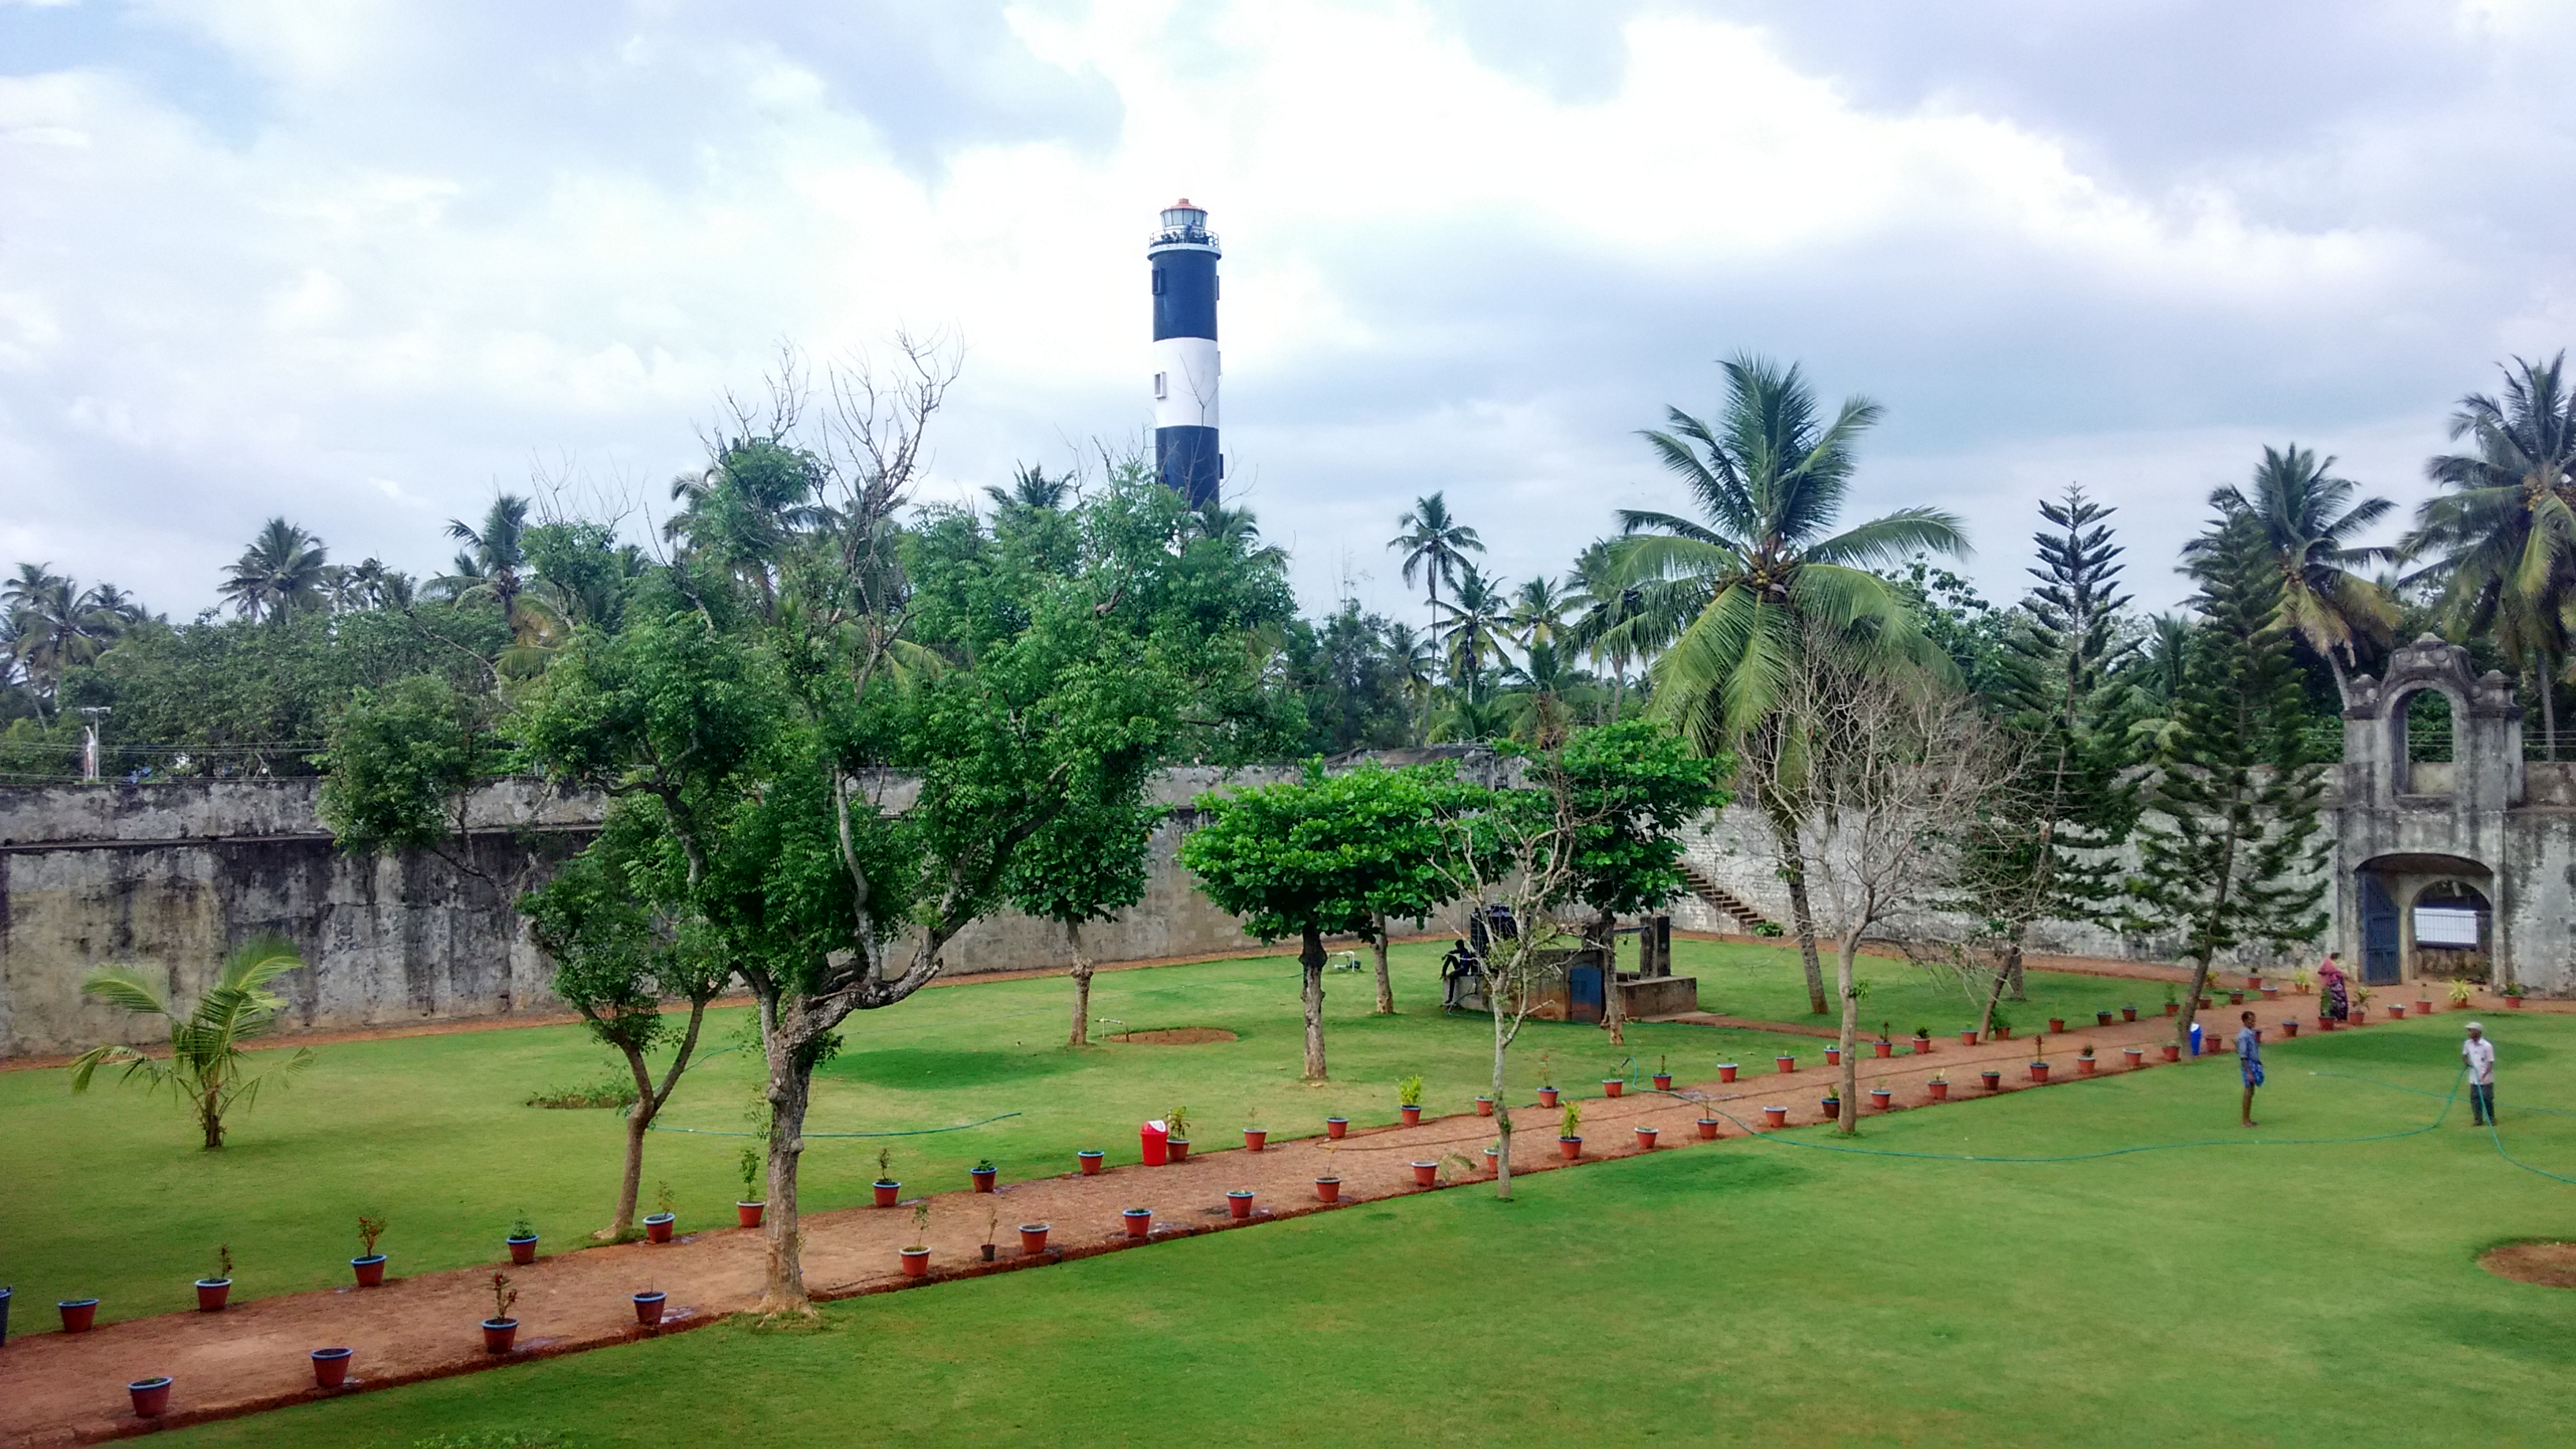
(1764, 983)
(108, 1195)
(1747, 1292)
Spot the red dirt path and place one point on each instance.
(63, 1388)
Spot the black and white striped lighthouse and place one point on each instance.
(1183, 255)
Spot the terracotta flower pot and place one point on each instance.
(1707, 1129)
(2137, 1055)
(1939, 1091)
(748, 1214)
(2253, 982)
(2101, 1018)
(657, 1228)
(1726, 1071)
(523, 1251)
(1880, 1097)
(2360, 1014)
(1833, 1056)
(1255, 1138)
(1547, 1096)
(1033, 1237)
(1484, 1106)
(2056, 1025)
(1645, 1139)
(1992, 1080)
(370, 1270)
(1833, 1108)
(984, 1177)
(1091, 1160)
(79, 1314)
(2084, 1066)
(1328, 1189)
(1140, 1221)
(1334, 1127)
(1967, 1036)
(1785, 1064)
(648, 1308)
(499, 1333)
(2513, 1003)
(1569, 1148)
(2423, 1008)
(1238, 1204)
(2039, 1071)
(1412, 1115)
(2173, 1052)
(2128, 1013)
(2236, 998)
(1426, 1174)
(1775, 1116)
(2324, 1022)
(2271, 993)
(2206, 1003)
(211, 1293)
(916, 1262)
(2290, 1027)
(2396, 1011)
(151, 1396)
(1923, 1046)
(330, 1367)
(2173, 1008)
(1613, 1086)
(1882, 1049)
(890, 1193)
(1663, 1081)
(1178, 1147)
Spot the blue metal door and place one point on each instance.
(2379, 964)
(1584, 1001)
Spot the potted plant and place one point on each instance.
(1833, 1104)
(1140, 1221)
(1613, 1086)
(2423, 1000)
(1426, 1174)
(2137, 1056)
(1663, 1075)
(2173, 1051)
(1880, 1097)
(2173, 1005)
(151, 1396)
(916, 1258)
(1775, 1116)
(1334, 1127)
(1992, 1079)
(1922, 1040)
(648, 1307)
(2129, 1012)
(2056, 1025)
(522, 1241)
(1786, 1063)
(2462, 993)
(1569, 1135)
(501, 1329)
(1999, 1022)
(1833, 1056)
(1726, 1071)
(2513, 996)
(2253, 981)
(1408, 1100)
(330, 1367)
(1033, 1238)
(2236, 998)
(2361, 1003)
(369, 1265)
(2397, 1011)
(2324, 1022)
(2039, 1062)
(1255, 1138)
(747, 1209)
(983, 1173)
(211, 1292)
(2300, 981)
(2084, 1063)
(1177, 1123)
(1484, 1106)
(2271, 993)
(79, 1314)
(1090, 1158)
(2290, 1027)
(1238, 1204)
(657, 1228)
(992, 1229)
(1707, 1129)
(1938, 1088)
(2101, 1018)
(1967, 1036)
(889, 1192)
(1328, 1189)
(1881, 1046)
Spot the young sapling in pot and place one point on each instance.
(212, 1292)
(369, 1264)
(1408, 1097)
(523, 1240)
(501, 1328)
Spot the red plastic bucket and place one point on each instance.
(1155, 1139)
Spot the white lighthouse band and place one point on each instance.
(1185, 373)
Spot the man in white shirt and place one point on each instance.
(2479, 1054)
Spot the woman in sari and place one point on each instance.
(2330, 987)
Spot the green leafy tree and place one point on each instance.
(617, 965)
(279, 574)
(1325, 855)
(402, 765)
(2230, 851)
(207, 1068)
(2308, 518)
(51, 625)
(1769, 476)
(1632, 787)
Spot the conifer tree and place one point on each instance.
(2043, 849)
(2230, 851)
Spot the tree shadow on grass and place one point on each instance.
(931, 1069)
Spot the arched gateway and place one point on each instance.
(2443, 861)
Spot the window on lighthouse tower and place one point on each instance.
(1162, 386)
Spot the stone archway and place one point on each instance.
(2390, 889)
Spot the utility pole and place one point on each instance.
(89, 742)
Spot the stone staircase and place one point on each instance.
(1725, 902)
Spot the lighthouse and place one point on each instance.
(1183, 257)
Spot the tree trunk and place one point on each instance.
(1081, 989)
(1994, 993)
(1502, 1103)
(1385, 984)
(1850, 1089)
(790, 1085)
(1312, 958)
(1805, 921)
(2013, 973)
(210, 1116)
(639, 1119)
(1614, 1013)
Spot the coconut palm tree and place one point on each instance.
(1540, 696)
(1769, 477)
(1238, 528)
(1538, 612)
(1618, 621)
(206, 1068)
(54, 626)
(2308, 519)
(1474, 634)
(2502, 537)
(1434, 545)
(279, 573)
(1032, 488)
(1415, 662)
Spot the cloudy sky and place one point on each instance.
(364, 262)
